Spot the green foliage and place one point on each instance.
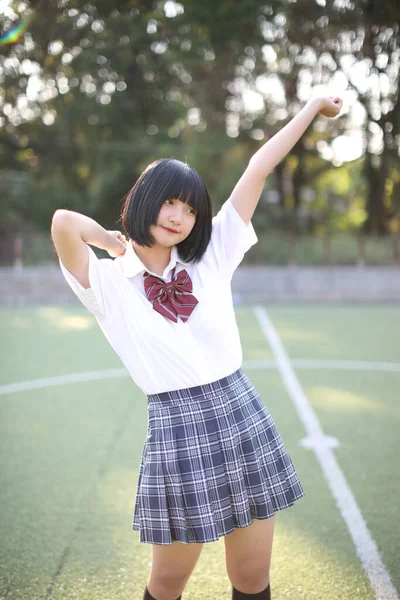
(95, 91)
(346, 248)
(340, 199)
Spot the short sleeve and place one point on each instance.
(231, 238)
(93, 298)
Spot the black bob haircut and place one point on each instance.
(165, 179)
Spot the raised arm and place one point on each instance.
(71, 231)
(247, 191)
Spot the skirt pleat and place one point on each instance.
(212, 461)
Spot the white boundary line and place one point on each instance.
(346, 365)
(363, 542)
(337, 365)
(37, 384)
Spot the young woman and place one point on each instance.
(213, 463)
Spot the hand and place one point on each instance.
(118, 244)
(330, 106)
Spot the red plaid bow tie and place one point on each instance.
(173, 299)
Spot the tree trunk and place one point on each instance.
(299, 178)
(361, 249)
(327, 248)
(376, 177)
(280, 188)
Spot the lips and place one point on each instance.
(169, 230)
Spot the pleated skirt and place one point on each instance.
(212, 461)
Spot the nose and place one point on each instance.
(176, 215)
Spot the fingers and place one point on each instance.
(337, 105)
(337, 101)
(117, 234)
(120, 236)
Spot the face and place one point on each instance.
(176, 220)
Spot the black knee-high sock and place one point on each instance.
(148, 596)
(265, 595)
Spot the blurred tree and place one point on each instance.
(357, 43)
(106, 87)
(96, 90)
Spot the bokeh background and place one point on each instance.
(91, 92)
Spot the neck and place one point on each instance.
(155, 259)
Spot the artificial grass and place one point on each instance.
(47, 341)
(70, 454)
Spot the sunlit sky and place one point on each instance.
(267, 87)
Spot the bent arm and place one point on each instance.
(247, 192)
(71, 231)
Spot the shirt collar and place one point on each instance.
(131, 265)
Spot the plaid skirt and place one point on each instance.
(212, 461)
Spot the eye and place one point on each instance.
(192, 211)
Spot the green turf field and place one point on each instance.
(70, 454)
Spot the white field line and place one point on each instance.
(364, 544)
(346, 365)
(37, 384)
(339, 365)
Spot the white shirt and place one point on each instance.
(159, 354)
